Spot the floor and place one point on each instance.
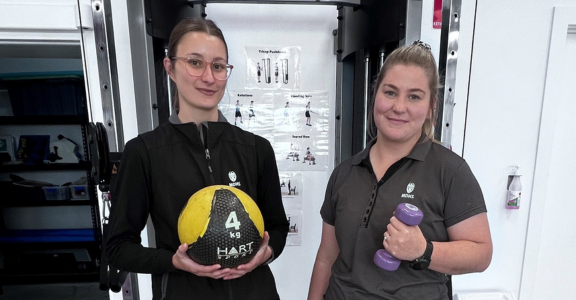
(68, 291)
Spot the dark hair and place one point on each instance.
(412, 55)
(191, 25)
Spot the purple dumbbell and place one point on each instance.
(409, 215)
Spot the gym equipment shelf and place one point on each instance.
(45, 167)
(64, 254)
(46, 236)
(42, 120)
(16, 203)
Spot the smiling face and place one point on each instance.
(402, 104)
(198, 92)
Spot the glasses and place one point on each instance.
(196, 67)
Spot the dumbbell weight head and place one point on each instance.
(385, 260)
(408, 214)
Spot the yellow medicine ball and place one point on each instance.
(222, 225)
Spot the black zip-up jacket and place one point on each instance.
(158, 173)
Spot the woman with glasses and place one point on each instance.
(401, 164)
(161, 169)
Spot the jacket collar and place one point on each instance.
(419, 152)
(175, 120)
(191, 132)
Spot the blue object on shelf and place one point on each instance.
(46, 236)
(33, 149)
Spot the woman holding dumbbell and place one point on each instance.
(402, 164)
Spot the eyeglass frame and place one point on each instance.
(228, 66)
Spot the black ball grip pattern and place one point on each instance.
(229, 244)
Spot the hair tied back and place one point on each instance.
(422, 45)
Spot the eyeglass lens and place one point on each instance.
(196, 67)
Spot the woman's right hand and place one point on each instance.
(183, 262)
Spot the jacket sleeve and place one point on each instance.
(270, 197)
(129, 214)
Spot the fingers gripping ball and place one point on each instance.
(222, 225)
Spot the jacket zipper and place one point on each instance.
(165, 275)
(164, 285)
(210, 166)
(230, 296)
(204, 137)
(208, 160)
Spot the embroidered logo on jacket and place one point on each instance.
(409, 189)
(232, 176)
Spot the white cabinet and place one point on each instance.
(43, 40)
(51, 30)
(55, 15)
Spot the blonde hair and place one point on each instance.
(418, 54)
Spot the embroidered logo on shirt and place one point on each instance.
(232, 176)
(409, 189)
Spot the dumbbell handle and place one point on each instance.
(409, 215)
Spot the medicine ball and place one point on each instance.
(222, 225)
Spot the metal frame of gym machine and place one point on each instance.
(143, 65)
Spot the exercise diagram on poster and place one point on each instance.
(251, 110)
(291, 185)
(272, 67)
(301, 130)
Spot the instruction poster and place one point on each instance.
(291, 184)
(301, 130)
(295, 230)
(251, 110)
(273, 67)
(296, 122)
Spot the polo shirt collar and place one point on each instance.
(419, 152)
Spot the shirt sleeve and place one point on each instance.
(464, 196)
(270, 197)
(129, 214)
(327, 210)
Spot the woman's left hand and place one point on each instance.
(263, 254)
(403, 241)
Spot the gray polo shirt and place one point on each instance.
(431, 177)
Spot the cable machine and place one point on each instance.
(367, 31)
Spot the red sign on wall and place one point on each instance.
(437, 18)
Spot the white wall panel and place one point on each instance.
(556, 242)
(510, 54)
(551, 238)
